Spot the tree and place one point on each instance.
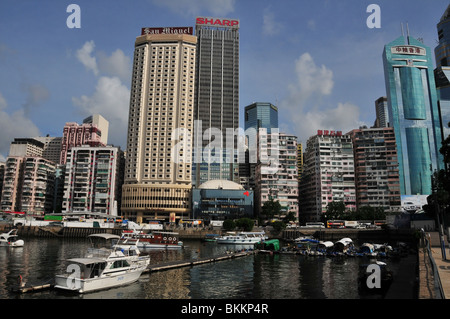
(229, 224)
(271, 208)
(335, 210)
(245, 223)
(368, 213)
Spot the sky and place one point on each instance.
(318, 61)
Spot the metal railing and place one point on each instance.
(437, 280)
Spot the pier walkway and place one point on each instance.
(441, 266)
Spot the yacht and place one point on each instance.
(242, 238)
(155, 239)
(104, 266)
(11, 239)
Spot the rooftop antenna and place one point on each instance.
(407, 31)
(403, 33)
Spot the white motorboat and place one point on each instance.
(242, 238)
(11, 239)
(104, 266)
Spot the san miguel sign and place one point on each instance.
(167, 30)
(217, 22)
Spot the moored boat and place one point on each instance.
(11, 239)
(343, 244)
(210, 237)
(242, 238)
(104, 266)
(153, 240)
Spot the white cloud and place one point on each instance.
(84, 56)
(110, 99)
(187, 8)
(118, 64)
(304, 106)
(13, 126)
(312, 82)
(270, 25)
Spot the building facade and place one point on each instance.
(257, 115)
(28, 185)
(75, 134)
(413, 112)
(220, 200)
(382, 113)
(158, 167)
(442, 71)
(276, 176)
(328, 174)
(376, 168)
(216, 100)
(91, 180)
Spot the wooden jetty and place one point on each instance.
(181, 264)
(29, 287)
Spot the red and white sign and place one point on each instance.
(168, 30)
(329, 133)
(217, 22)
(408, 49)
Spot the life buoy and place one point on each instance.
(165, 238)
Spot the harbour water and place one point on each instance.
(258, 276)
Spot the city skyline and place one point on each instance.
(316, 61)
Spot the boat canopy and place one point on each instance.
(271, 244)
(105, 236)
(87, 261)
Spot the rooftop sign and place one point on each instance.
(217, 22)
(167, 30)
(408, 49)
(329, 133)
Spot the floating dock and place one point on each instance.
(181, 264)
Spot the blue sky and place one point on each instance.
(317, 60)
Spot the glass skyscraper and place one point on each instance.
(216, 100)
(442, 71)
(413, 112)
(260, 115)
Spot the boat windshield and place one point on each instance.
(98, 253)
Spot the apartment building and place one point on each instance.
(276, 176)
(28, 185)
(376, 168)
(91, 180)
(328, 173)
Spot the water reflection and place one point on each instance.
(256, 277)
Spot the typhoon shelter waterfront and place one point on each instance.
(254, 275)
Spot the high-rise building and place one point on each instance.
(376, 168)
(158, 171)
(52, 148)
(75, 134)
(101, 123)
(28, 185)
(216, 100)
(413, 112)
(260, 115)
(328, 174)
(276, 175)
(257, 115)
(91, 180)
(382, 113)
(442, 71)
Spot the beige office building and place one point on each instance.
(157, 181)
